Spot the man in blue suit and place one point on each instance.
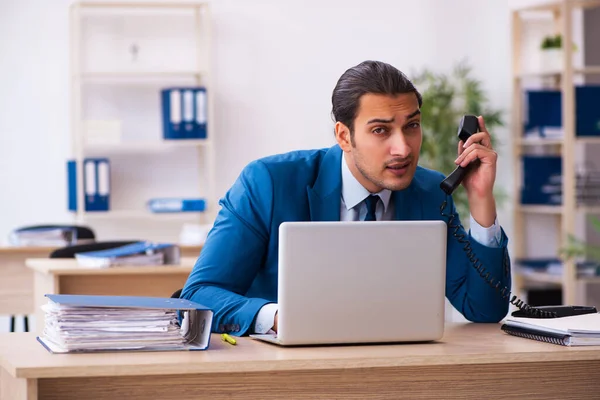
(370, 174)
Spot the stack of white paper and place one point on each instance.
(94, 323)
(576, 330)
(72, 328)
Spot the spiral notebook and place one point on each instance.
(578, 330)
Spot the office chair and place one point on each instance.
(70, 251)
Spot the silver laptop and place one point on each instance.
(360, 282)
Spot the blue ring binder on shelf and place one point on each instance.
(544, 112)
(184, 112)
(166, 205)
(96, 184)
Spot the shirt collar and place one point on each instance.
(353, 192)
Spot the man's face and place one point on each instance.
(384, 150)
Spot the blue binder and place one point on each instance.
(184, 113)
(96, 184)
(544, 110)
(196, 320)
(166, 205)
(542, 180)
(139, 253)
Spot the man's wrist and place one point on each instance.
(265, 318)
(483, 209)
(488, 236)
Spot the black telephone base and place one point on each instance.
(560, 311)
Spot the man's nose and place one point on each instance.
(399, 145)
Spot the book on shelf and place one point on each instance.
(84, 324)
(139, 253)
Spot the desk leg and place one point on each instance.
(17, 388)
(43, 284)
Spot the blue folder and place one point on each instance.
(184, 112)
(170, 254)
(96, 184)
(166, 205)
(195, 319)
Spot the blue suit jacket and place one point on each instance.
(236, 273)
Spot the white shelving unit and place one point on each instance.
(120, 62)
(560, 14)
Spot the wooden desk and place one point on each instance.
(471, 362)
(65, 276)
(16, 281)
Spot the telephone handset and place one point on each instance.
(468, 126)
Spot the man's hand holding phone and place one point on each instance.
(479, 182)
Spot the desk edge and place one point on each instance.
(295, 365)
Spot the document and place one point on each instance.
(74, 323)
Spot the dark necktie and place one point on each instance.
(371, 202)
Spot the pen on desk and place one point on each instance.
(228, 339)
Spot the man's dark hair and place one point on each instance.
(367, 77)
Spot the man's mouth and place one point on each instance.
(399, 166)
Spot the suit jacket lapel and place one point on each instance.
(324, 197)
(407, 204)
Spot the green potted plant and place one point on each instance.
(552, 52)
(576, 248)
(446, 98)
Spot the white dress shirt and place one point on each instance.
(353, 208)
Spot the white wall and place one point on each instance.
(276, 63)
(34, 117)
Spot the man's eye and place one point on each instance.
(415, 125)
(379, 131)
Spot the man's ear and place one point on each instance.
(342, 135)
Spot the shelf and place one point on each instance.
(540, 277)
(535, 209)
(588, 139)
(140, 5)
(588, 70)
(129, 74)
(589, 209)
(540, 141)
(544, 277)
(556, 5)
(537, 141)
(137, 214)
(556, 210)
(146, 146)
(592, 70)
(139, 77)
(559, 16)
